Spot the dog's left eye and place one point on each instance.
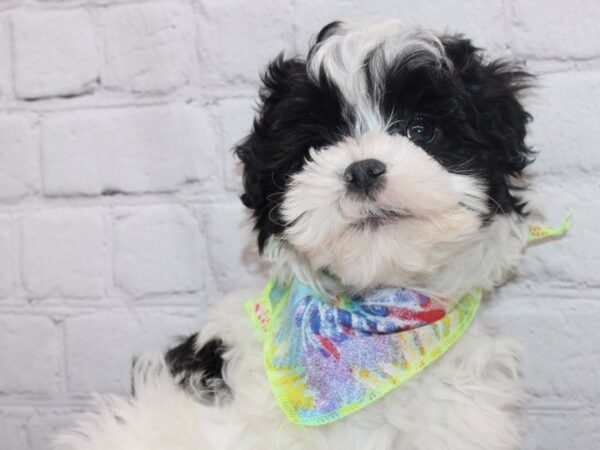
(420, 131)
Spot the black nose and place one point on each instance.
(363, 176)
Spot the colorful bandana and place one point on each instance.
(325, 360)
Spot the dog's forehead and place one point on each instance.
(346, 47)
(356, 60)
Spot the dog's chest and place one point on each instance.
(473, 381)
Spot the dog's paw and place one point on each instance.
(198, 367)
(147, 369)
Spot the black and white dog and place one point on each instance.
(388, 156)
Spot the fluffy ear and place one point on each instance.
(492, 89)
(262, 152)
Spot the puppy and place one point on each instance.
(388, 157)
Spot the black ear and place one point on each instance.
(494, 88)
(296, 113)
(497, 115)
(328, 30)
(262, 153)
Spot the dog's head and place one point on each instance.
(389, 155)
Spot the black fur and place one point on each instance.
(473, 104)
(296, 114)
(200, 370)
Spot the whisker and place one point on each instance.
(275, 183)
(271, 196)
(272, 219)
(495, 202)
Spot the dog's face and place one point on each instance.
(385, 154)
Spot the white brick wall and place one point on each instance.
(54, 53)
(119, 221)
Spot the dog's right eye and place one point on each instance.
(421, 131)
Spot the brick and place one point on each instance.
(157, 250)
(553, 29)
(559, 339)
(99, 351)
(162, 328)
(30, 354)
(563, 117)
(7, 260)
(236, 40)
(5, 57)
(131, 150)
(32, 428)
(102, 346)
(567, 261)
(55, 53)
(19, 158)
(63, 253)
(235, 118)
(13, 431)
(148, 46)
(561, 429)
(481, 21)
(228, 231)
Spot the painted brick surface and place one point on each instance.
(131, 332)
(481, 21)
(34, 363)
(5, 56)
(236, 37)
(63, 253)
(547, 28)
(6, 263)
(119, 216)
(157, 251)
(19, 158)
(129, 150)
(234, 118)
(55, 53)
(149, 47)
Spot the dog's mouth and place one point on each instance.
(379, 217)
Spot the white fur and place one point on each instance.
(342, 57)
(466, 400)
(438, 246)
